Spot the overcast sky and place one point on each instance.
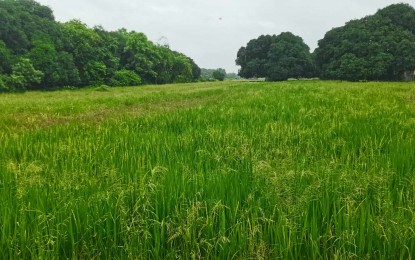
(212, 31)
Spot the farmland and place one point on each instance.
(297, 169)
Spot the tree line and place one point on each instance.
(376, 47)
(37, 52)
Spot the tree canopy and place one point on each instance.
(377, 47)
(275, 57)
(213, 74)
(56, 54)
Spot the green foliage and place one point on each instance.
(252, 59)
(11, 30)
(219, 74)
(213, 74)
(72, 54)
(141, 56)
(206, 73)
(125, 78)
(351, 68)
(84, 44)
(3, 87)
(196, 71)
(36, 9)
(22, 21)
(288, 57)
(182, 69)
(5, 58)
(94, 73)
(402, 15)
(275, 58)
(377, 47)
(68, 72)
(24, 75)
(254, 56)
(58, 67)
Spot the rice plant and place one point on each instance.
(233, 170)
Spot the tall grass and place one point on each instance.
(238, 170)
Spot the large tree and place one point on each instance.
(288, 57)
(219, 74)
(275, 58)
(377, 47)
(254, 56)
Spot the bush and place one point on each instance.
(25, 75)
(3, 87)
(12, 83)
(219, 75)
(125, 78)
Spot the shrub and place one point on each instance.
(219, 75)
(125, 78)
(3, 87)
(12, 83)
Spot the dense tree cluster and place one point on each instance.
(275, 58)
(213, 74)
(36, 52)
(377, 47)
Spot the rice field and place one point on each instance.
(233, 170)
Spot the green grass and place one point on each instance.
(234, 170)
